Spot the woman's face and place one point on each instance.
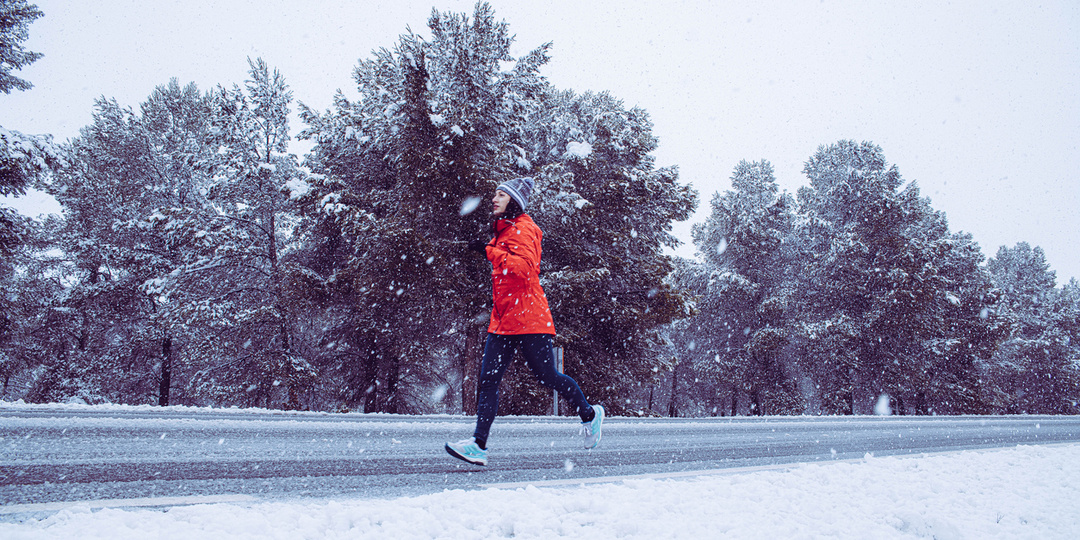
(499, 202)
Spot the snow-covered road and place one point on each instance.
(1007, 493)
(54, 455)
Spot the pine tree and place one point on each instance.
(606, 211)
(231, 291)
(127, 172)
(894, 304)
(32, 277)
(741, 329)
(24, 159)
(15, 19)
(950, 324)
(438, 126)
(387, 220)
(1036, 369)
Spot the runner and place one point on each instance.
(520, 321)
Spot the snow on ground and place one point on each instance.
(1020, 492)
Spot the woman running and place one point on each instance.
(520, 321)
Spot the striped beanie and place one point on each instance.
(518, 189)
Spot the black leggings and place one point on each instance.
(538, 353)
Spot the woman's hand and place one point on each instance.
(478, 246)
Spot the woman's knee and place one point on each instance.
(555, 381)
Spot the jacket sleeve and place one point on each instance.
(513, 253)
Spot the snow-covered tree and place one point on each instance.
(885, 279)
(31, 276)
(436, 127)
(607, 212)
(25, 162)
(15, 19)
(743, 285)
(953, 324)
(24, 159)
(127, 169)
(1037, 369)
(231, 291)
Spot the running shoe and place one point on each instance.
(591, 430)
(467, 450)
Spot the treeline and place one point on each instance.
(200, 263)
(853, 297)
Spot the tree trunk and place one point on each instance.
(370, 380)
(390, 403)
(470, 368)
(673, 409)
(166, 371)
(920, 403)
(362, 377)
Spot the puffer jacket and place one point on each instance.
(520, 306)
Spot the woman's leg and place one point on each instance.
(538, 352)
(498, 352)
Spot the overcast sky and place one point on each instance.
(977, 101)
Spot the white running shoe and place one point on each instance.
(467, 450)
(591, 430)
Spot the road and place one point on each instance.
(50, 455)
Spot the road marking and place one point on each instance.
(143, 502)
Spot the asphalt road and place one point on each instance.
(87, 454)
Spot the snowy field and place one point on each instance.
(1021, 492)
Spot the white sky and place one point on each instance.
(978, 101)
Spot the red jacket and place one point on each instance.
(520, 306)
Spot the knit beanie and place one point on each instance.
(518, 189)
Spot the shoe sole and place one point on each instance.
(454, 453)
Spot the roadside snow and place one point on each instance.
(1021, 492)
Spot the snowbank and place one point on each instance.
(1021, 492)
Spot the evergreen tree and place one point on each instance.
(32, 277)
(741, 329)
(884, 279)
(128, 172)
(1037, 369)
(231, 293)
(15, 19)
(25, 162)
(24, 159)
(437, 125)
(606, 211)
(953, 327)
